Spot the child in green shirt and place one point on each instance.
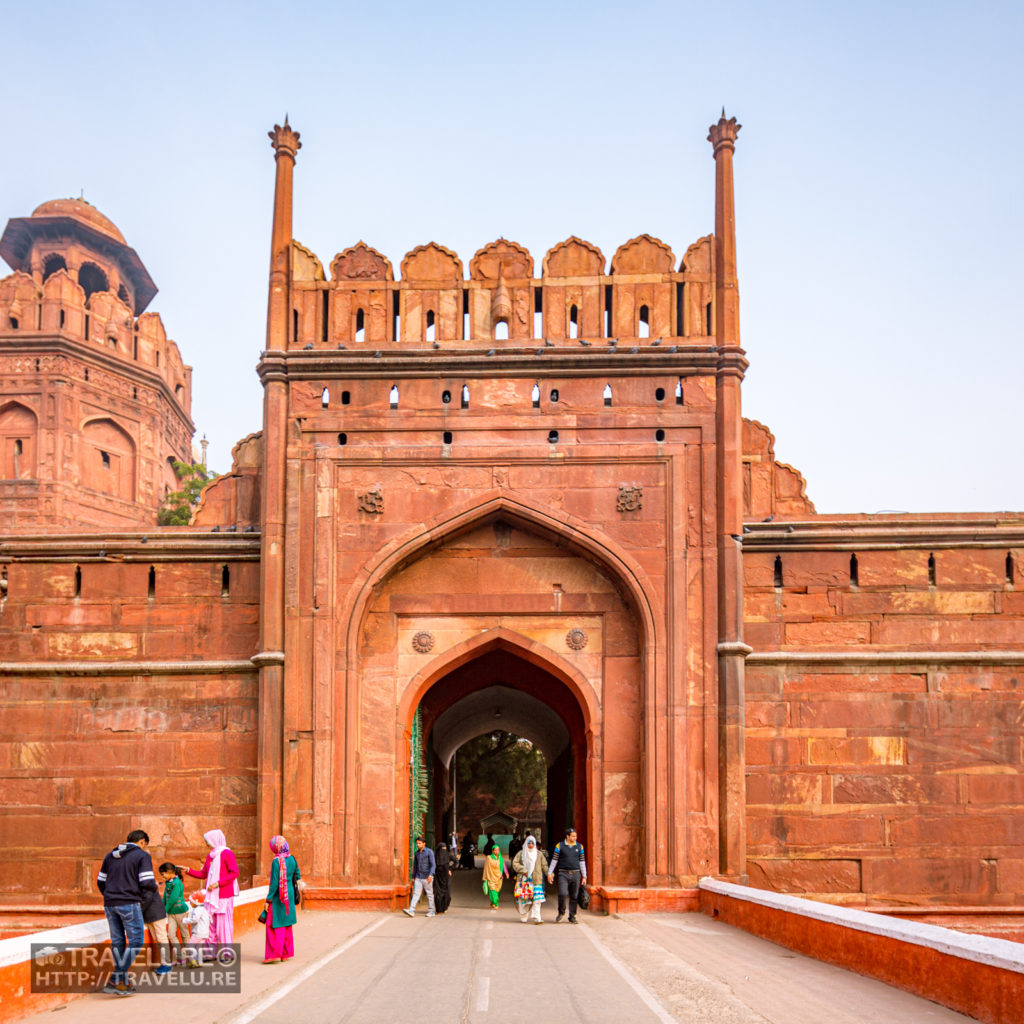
(176, 907)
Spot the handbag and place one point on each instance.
(583, 899)
(263, 917)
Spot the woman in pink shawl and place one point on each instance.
(221, 874)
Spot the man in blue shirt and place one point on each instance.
(423, 868)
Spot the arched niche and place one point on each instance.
(19, 428)
(109, 459)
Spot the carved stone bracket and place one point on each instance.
(631, 498)
(372, 501)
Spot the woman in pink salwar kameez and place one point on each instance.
(221, 874)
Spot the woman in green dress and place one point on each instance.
(281, 900)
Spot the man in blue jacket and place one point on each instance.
(568, 861)
(423, 868)
(125, 874)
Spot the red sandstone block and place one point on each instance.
(957, 748)
(759, 571)
(942, 878)
(31, 792)
(965, 831)
(1010, 876)
(761, 679)
(974, 566)
(892, 568)
(886, 788)
(774, 752)
(805, 607)
(37, 872)
(790, 788)
(860, 750)
(919, 602)
(980, 680)
(810, 876)
(763, 636)
(827, 634)
(996, 789)
(69, 615)
(37, 721)
(761, 606)
(767, 714)
(1011, 602)
(949, 633)
(813, 568)
(858, 713)
(852, 681)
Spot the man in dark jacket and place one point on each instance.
(126, 874)
(571, 867)
(423, 867)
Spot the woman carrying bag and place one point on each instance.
(283, 896)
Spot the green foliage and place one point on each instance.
(178, 506)
(511, 769)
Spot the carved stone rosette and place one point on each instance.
(371, 501)
(631, 499)
(423, 642)
(576, 639)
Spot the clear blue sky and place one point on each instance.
(878, 180)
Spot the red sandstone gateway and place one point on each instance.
(477, 491)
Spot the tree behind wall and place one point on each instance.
(178, 506)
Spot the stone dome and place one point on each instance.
(80, 210)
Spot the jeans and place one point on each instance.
(418, 887)
(127, 935)
(568, 886)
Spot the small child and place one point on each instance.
(198, 921)
(176, 907)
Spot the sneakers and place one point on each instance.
(163, 969)
(538, 921)
(430, 913)
(406, 910)
(560, 916)
(120, 989)
(572, 920)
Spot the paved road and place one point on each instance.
(472, 966)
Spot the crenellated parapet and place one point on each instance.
(645, 296)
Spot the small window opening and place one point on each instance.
(538, 312)
(360, 325)
(659, 394)
(446, 437)
(552, 437)
(446, 398)
(105, 459)
(325, 315)
(643, 327)
(535, 396)
(854, 571)
(931, 570)
(325, 398)
(707, 320)
(679, 308)
(607, 394)
(393, 396)
(135, 392)
(465, 396)
(112, 340)
(554, 395)
(151, 588)
(346, 397)
(87, 330)
(78, 581)
(14, 322)
(396, 315)
(37, 366)
(135, 343)
(466, 328)
(501, 330)
(18, 446)
(157, 355)
(295, 325)
(679, 391)
(778, 571)
(62, 324)
(87, 373)
(607, 310)
(343, 439)
(1009, 567)
(225, 581)
(574, 327)
(659, 435)
(431, 328)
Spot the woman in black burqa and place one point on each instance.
(443, 871)
(466, 860)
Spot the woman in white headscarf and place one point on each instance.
(221, 874)
(530, 867)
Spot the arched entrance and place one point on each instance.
(499, 689)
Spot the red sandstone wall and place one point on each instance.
(120, 710)
(885, 737)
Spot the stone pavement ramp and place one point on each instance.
(472, 965)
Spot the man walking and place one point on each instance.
(571, 867)
(125, 875)
(423, 868)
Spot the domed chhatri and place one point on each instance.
(83, 211)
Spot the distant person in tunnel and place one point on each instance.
(571, 868)
(495, 871)
(466, 857)
(423, 868)
(442, 873)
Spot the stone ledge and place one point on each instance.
(614, 900)
(880, 657)
(124, 668)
